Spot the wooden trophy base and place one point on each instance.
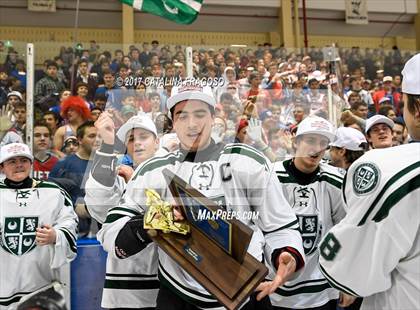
(224, 277)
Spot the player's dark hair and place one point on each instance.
(413, 103)
(352, 156)
(172, 110)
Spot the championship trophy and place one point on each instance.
(211, 249)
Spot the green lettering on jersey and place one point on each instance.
(329, 247)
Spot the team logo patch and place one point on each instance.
(365, 178)
(310, 231)
(19, 234)
(202, 176)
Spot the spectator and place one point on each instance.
(44, 160)
(63, 96)
(386, 91)
(96, 112)
(356, 87)
(49, 85)
(16, 134)
(141, 101)
(399, 132)
(99, 101)
(119, 55)
(228, 78)
(360, 109)
(155, 105)
(82, 91)
(145, 55)
(316, 98)
(13, 98)
(108, 86)
(281, 143)
(127, 112)
(155, 48)
(75, 112)
(70, 146)
(69, 172)
(3, 85)
(20, 72)
(388, 111)
(82, 75)
(135, 60)
(11, 59)
(52, 120)
(259, 96)
(348, 119)
(62, 73)
(300, 112)
(123, 73)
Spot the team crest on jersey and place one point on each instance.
(365, 178)
(310, 231)
(202, 176)
(302, 197)
(18, 237)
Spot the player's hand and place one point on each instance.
(5, 122)
(45, 235)
(126, 172)
(287, 266)
(254, 130)
(81, 211)
(286, 141)
(178, 216)
(345, 300)
(346, 116)
(106, 128)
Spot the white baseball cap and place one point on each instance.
(349, 138)
(384, 99)
(411, 76)
(15, 93)
(317, 75)
(188, 92)
(378, 119)
(387, 79)
(138, 121)
(15, 150)
(316, 125)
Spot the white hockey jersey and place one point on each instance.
(25, 266)
(132, 282)
(235, 176)
(375, 251)
(318, 205)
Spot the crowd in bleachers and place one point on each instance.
(262, 95)
(278, 87)
(273, 84)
